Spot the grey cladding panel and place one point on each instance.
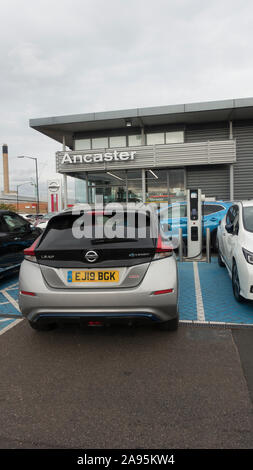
(203, 132)
(243, 169)
(212, 180)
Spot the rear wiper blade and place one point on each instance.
(113, 240)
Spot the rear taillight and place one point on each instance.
(163, 249)
(29, 253)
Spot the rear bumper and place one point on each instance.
(102, 318)
(162, 310)
(134, 303)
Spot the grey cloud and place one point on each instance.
(60, 57)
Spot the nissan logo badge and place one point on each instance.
(91, 256)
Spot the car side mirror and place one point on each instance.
(229, 228)
(30, 227)
(168, 227)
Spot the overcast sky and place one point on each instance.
(65, 57)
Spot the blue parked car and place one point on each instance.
(175, 217)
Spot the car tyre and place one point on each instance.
(236, 284)
(170, 325)
(41, 327)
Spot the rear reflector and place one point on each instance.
(165, 291)
(95, 323)
(24, 292)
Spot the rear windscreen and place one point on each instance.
(91, 229)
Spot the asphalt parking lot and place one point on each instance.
(131, 387)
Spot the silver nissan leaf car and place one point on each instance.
(99, 267)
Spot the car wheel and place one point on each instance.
(236, 284)
(220, 262)
(170, 325)
(41, 327)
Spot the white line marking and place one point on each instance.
(199, 300)
(11, 325)
(11, 300)
(12, 286)
(215, 323)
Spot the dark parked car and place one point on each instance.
(16, 234)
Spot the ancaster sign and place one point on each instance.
(112, 156)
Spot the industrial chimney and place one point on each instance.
(6, 169)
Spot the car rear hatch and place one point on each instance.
(69, 259)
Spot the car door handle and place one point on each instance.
(17, 238)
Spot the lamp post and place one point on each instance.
(37, 179)
(18, 185)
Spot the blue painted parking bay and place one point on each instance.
(205, 296)
(215, 295)
(9, 311)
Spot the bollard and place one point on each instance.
(208, 246)
(180, 248)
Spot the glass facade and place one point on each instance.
(80, 191)
(174, 137)
(118, 141)
(161, 185)
(176, 184)
(100, 142)
(156, 185)
(111, 185)
(155, 138)
(133, 185)
(134, 140)
(152, 138)
(82, 144)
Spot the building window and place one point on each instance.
(155, 138)
(134, 184)
(118, 141)
(174, 137)
(134, 140)
(156, 185)
(100, 142)
(82, 144)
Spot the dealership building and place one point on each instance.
(155, 154)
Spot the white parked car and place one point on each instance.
(43, 221)
(235, 248)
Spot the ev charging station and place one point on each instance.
(194, 223)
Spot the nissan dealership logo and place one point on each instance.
(53, 187)
(91, 256)
(101, 157)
